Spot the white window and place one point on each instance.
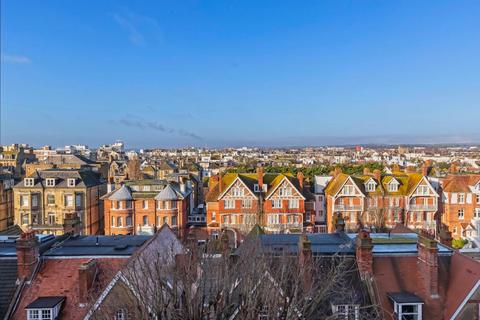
(51, 218)
(264, 188)
(247, 203)
(346, 311)
(274, 219)
(461, 214)
(214, 215)
(237, 192)
(276, 203)
(370, 187)
(50, 182)
(409, 311)
(461, 198)
(145, 204)
(119, 222)
(28, 182)
(229, 204)
(71, 183)
(476, 213)
(68, 200)
(34, 200)
(46, 314)
(256, 188)
(120, 314)
(174, 221)
(113, 221)
(33, 314)
(293, 203)
(24, 200)
(423, 190)
(478, 198)
(50, 199)
(392, 187)
(348, 190)
(285, 192)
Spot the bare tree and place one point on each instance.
(254, 282)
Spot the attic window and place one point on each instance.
(370, 186)
(44, 308)
(28, 182)
(50, 182)
(346, 311)
(393, 186)
(256, 188)
(71, 182)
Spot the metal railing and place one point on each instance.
(342, 207)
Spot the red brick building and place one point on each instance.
(461, 203)
(277, 202)
(142, 207)
(382, 200)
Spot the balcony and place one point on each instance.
(342, 207)
(145, 230)
(421, 207)
(284, 226)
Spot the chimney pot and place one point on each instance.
(260, 177)
(300, 178)
(378, 175)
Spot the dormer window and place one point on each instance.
(44, 308)
(393, 186)
(71, 183)
(50, 182)
(28, 182)
(370, 186)
(406, 305)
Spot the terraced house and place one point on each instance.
(143, 206)
(277, 202)
(382, 200)
(461, 203)
(59, 200)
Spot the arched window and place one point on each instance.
(119, 222)
(145, 220)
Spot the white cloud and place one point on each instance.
(137, 25)
(16, 59)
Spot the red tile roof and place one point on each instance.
(59, 277)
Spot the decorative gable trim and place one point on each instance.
(232, 184)
(428, 184)
(354, 185)
(278, 186)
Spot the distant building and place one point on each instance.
(461, 203)
(142, 207)
(6, 201)
(278, 202)
(59, 200)
(382, 200)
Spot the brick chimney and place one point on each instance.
(395, 167)
(339, 224)
(27, 255)
(378, 175)
(86, 277)
(306, 261)
(211, 182)
(300, 178)
(445, 237)
(425, 169)
(428, 265)
(220, 183)
(453, 168)
(364, 254)
(410, 169)
(366, 171)
(260, 177)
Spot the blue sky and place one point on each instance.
(217, 73)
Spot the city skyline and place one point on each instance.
(239, 74)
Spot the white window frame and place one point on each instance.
(392, 187)
(24, 203)
(50, 182)
(348, 190)
(29, 182)
(293, 204)
(461, 198)
(476, 213)
(370, 186)
(229, 204)
(344, 311)
(67, 196)
(71, 182)
(277, 204)
(461, 214)
(145, 204)
(246, 203)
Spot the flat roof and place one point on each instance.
(404, 297)
(98, 246)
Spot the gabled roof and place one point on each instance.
(167, 194)
(122, 193)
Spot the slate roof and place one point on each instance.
(82, 178)
(8, 277)
(321, 243)
(122, 193)
(404, 297)
(168, 193)
(97, 246)
(45, 302)
(67, 159)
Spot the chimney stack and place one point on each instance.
(339, 224)
(260, 177)
(86, 276)
(220, 183)
(27, 255)
(337, 171)
(428, 264)
(364, 254)
(378, 175)
(306, 261)
(445, 237)
(395, 168)
(366, 171)
(425, 169)
(300, 178)
(453, 168)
